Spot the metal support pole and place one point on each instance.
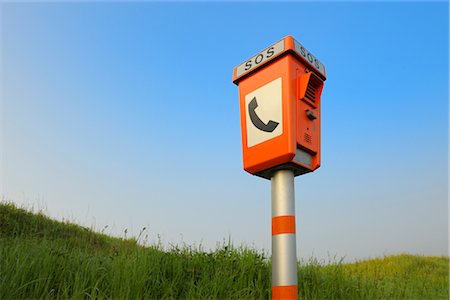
(284, 254)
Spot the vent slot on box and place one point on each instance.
(310, 93)
(310, 87)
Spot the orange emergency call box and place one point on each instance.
(279, 96)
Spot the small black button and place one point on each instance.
(310, 114)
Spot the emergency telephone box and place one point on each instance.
(279, 97)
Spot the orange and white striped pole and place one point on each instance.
(284, 253)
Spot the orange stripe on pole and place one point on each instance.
(283, 224)
(288, 292)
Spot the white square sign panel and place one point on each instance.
(264, 113)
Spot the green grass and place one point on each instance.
(44, 259)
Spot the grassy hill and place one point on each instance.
(43, 258)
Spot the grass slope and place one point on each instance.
(43, 258)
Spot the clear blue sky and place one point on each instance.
(125, 115)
